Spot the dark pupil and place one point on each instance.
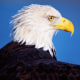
(51, 17)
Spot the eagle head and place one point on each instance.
(36, 25)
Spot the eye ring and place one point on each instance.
(51, 18)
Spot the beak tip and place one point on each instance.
(72, 33)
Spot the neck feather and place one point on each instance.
(41, 39)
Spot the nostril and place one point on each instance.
(64, 20)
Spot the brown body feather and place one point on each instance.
(20, 62)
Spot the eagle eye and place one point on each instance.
(51, 18)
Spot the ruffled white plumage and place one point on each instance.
(31, 25)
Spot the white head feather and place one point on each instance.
(31, 25)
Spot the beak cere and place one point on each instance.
(65, 25)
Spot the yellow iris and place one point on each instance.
(51, 18)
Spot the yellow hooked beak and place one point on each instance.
(66, 25)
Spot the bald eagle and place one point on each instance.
(31, 54)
